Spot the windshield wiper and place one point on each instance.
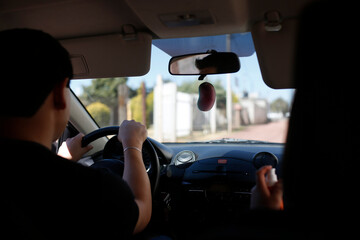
(232, 140)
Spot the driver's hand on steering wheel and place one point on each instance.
(71, 149)
(132, 134)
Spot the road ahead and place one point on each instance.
(271, 132)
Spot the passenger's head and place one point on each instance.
(31, 64)
(323, 130)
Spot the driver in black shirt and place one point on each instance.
(46, 196)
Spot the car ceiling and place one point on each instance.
(137, 22)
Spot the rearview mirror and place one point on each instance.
(204, 63)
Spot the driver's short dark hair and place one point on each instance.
(32, 62)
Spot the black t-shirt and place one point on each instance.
(49, 197)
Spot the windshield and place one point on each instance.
(167, 104)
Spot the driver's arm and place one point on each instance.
(133, 134)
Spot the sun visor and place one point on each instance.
(110, 55)
(275, 51)
(240, 43)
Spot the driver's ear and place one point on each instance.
(60, 94)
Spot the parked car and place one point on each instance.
(201, 161)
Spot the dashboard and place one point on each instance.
(201, 184)
(211, 182)
(203, 169)
(201, 161)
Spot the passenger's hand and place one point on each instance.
(132, 134)
(72, 150)
(264, 197)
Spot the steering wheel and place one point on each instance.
(113, 155)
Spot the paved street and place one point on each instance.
(271, 132)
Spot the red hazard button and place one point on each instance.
(222, 161)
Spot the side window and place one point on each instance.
(70, 131)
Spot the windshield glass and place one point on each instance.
(168, 104)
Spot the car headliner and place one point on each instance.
(101, 22)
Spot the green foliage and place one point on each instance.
(102, 90)
(100, 112)
(149, 108)
(193, 87)
(136, 107)
(189, 86)
(234, 98)
(279, 105)
(220, 94)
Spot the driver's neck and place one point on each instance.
(28, 129)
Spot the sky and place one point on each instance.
(248, 78)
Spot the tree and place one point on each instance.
(100, 112)
(136, 110)
(104, 90)
(279, 105)
(135, 106)
(189, 86)
(193, 87)
(149, 108)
